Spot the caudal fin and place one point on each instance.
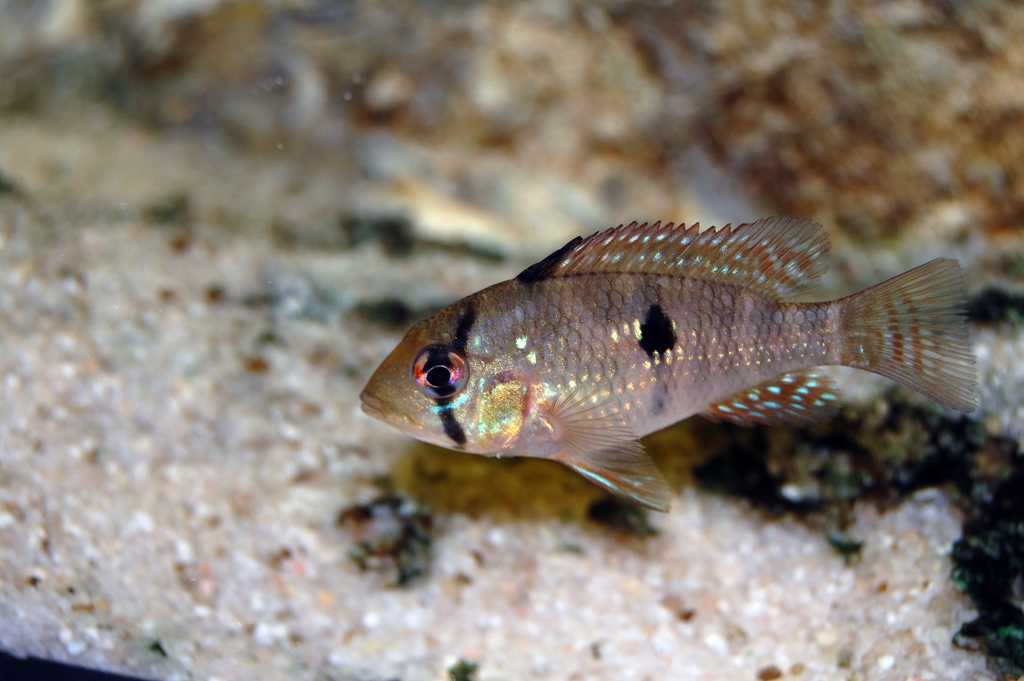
(913, 329)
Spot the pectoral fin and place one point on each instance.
(603, 450)
(625, 470)
(800, 398)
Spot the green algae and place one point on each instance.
(993, 305)
(622, 515)
(463, 670)
(884, 452)
(988, 565)
(391, 534)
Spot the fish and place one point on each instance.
(620, 334)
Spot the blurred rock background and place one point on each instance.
(223, 214)
(499, 119)
(877, 118)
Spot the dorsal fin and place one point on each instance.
(781, 256)
(544, 268)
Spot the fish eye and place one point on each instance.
(440, 372)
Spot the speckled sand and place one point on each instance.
(180, 428)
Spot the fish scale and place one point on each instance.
(721, 346)
(627, 331)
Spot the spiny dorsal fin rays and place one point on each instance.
(779, 255)
(603, 450)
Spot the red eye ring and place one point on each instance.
(440, 372)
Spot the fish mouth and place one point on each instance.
(372, 406)
(378, 409)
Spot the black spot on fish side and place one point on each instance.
(451, 425)
(462, 328)
(659, 402)
(656, 333)
(543, 269)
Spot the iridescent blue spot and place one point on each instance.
(451, 404)
(604, 482)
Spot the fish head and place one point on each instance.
(434, 389)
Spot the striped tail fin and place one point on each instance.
(913, 329)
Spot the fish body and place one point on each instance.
(621, 334)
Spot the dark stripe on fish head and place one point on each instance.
(445, 408)
(656, 333)
(543, 269)
(462, 328)
(451, 425)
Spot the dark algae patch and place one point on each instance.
(996, 305)
(7, 185)
(397, 238)
(175, 209)
(156, 647)
(391, 313)
(388, 313)
(394, 233)
(847, 547)
(741, 471)
(463, 670)
(988, 565)
(884, 452)
(623, 516)
(390, 533)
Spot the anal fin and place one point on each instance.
(603, 450)
(799, 398)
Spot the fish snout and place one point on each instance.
(381, 410)
(372, 406)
